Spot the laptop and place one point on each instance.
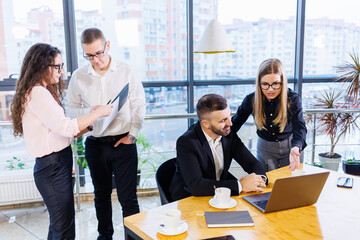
(291, 192)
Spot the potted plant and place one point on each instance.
(146, 158)
(334, 125)
(80, 148)
(351, 166)
(15, 164)
(350, 74)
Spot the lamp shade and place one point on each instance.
(214, 40)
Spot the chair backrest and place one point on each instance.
(163, 176)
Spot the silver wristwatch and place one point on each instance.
(133, 139)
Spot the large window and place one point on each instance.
(149, 35)
(24, 23)
(330, 35)
(257, 30)
(163, 133)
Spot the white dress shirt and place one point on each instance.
(46, 129)
(87, 88)
(218, 155)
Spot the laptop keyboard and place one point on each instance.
(261, 204)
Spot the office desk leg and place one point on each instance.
(130, 235)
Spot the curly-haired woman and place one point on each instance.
(38, 115)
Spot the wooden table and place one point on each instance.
(336, 215)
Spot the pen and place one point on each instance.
(108, 102)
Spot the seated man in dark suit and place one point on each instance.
(205, 152)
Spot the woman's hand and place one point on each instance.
(103, 111)
(294, 158)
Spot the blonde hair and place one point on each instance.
(271, 66)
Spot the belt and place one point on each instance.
(108, 138)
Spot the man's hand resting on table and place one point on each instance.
(252, 183)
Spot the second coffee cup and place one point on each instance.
(222, 195)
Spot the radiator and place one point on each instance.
(17, 187)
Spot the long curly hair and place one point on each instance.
(34, 70)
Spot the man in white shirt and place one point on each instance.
(205, 152)
(113, 151)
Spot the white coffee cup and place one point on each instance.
(222, 195)
(171, 219)
(297, 172)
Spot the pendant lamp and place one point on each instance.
(214, 40)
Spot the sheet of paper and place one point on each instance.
(118, 102)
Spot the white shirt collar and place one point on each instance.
(91, 70)
(210, 140)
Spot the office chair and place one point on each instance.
(163, 177)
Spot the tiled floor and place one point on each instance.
(31, 223)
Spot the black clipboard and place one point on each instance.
(119, 102)
(122, 96)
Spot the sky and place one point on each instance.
(250, 10)
(282, 9)
(229, 9)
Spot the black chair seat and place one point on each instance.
(163, 176)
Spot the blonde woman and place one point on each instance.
(278, 116)
(38, 115)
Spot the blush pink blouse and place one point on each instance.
(46, 129)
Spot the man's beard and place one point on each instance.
(221, 132)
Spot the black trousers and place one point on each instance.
(105, 161)
(52, 174)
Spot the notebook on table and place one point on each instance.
(291, 192)
(228, 219)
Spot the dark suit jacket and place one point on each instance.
(195, 168)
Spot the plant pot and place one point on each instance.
(330, 163)
(352, 167)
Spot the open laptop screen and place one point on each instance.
(290, 193)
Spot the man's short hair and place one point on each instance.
(90, 35)
(210, 103)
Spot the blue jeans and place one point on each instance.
(52, 174)
(105, 161)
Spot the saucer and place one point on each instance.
(181, 228)
(232, 203)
